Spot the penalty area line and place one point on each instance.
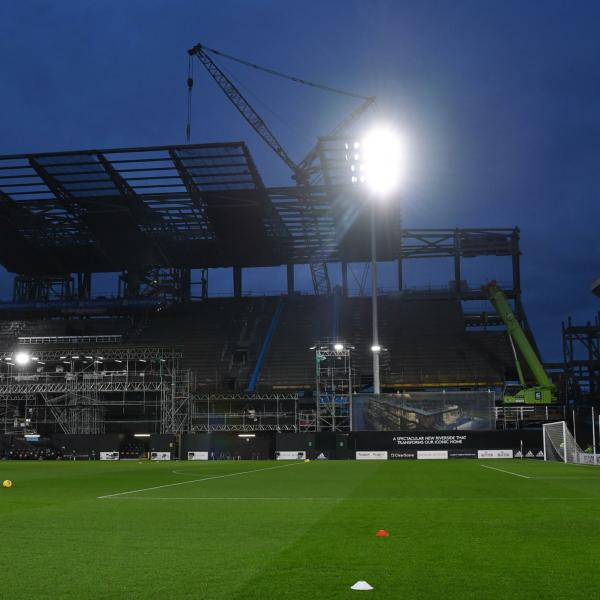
(168, 485)
(507, 472)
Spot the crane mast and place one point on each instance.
(301, 173)
(543, 390)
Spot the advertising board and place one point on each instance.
(290, 455)
(432, 454)
(371, 455)
(109, 456)
(160, 456)
(197, 455)
(494, 454)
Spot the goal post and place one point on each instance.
(560, 445)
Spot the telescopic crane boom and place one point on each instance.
(543, 391)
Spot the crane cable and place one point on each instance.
(284, 76)
(190, 84)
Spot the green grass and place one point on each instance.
(457, 530)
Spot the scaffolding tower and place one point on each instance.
(333, 386)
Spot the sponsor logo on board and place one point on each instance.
(494, 454)
(432, 454)
(372, 455)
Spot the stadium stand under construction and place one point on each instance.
(161, 217)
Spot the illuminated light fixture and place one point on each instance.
(246, 435)
(8, 359)
(141, 435)
(35, 358)
(381, 161)
(338, 347)
(375, 348)
(117, 360)
(75, 356)
(143, 360)
(101, 358)
(22, 358)
(62, 357)
(89, 357)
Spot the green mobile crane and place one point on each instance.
(543, 392)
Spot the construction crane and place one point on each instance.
(543, 392)
(303, 171)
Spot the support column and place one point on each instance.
(204, 283)
(185, 282)
(400, 274)
(457, 274)
(345, 279)
(237, 282)
(290, 279)
(516, 273)
(84, 285)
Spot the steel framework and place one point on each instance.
(244, 412)
(85, 389)
(581, 353)
(334, 384)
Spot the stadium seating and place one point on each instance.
(425, 340)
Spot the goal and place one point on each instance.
(560, 445)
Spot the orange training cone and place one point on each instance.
(382, 533)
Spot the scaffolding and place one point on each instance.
(85, 390)
(244, 412)
(333, 386)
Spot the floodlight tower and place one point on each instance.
(377, 162)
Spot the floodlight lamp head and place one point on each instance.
(383, 157)
(22, 358)
(375, 348)
(338, 347)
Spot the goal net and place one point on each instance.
(560, 445)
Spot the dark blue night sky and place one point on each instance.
(500, 102)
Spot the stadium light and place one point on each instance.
(375, 348)
(246, 435)
(22, 358)
(378, 161)
(141, 435)
(338, 347)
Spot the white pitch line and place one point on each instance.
(503, 471)
(158, 487)
(396, 500)
(230, 498)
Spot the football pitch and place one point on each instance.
(457, 529)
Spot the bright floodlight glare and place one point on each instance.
(383, 158)
(338, 347)
(375, 348)
(22, 358)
